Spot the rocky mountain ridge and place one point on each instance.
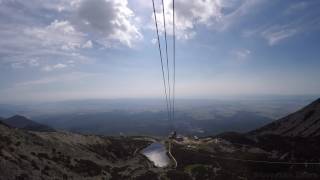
(303, 123)
(22, 122)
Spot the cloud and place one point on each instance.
(241, 54)
(279, 32)
(26, 63)
(30, 39)
(294, 8)
(213, 14)
(108, 21)
(88, 44)
(238, 11)
(59, 31)
(275, 34)
(60, 35)
(59, 66)
(49, 68)
(73, 76)
(296, 19)
(188, 15)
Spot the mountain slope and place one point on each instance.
(303, 123)
(22, 122)
(57, 155)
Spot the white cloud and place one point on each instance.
(49, 68)
(108, 21)
(59, 35)
(295, 19)
(26, 63)
(73, 76)
(237, 11)
(275, 34)
(58, 30)
(296, 7)
(214, 14)
(25, 46)
(188, 15)
(88, 44)
(59, 66)
(241, 54)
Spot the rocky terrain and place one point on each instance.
(280, 150)
(304, 123)
(62, 155)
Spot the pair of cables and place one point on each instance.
(169, 88)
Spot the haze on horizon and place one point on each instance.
(81, 49)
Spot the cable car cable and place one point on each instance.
(161, 59)
(167, 57)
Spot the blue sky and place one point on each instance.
(82, 49)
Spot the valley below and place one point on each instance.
(284, 149)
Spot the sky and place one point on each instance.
(54, 50)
